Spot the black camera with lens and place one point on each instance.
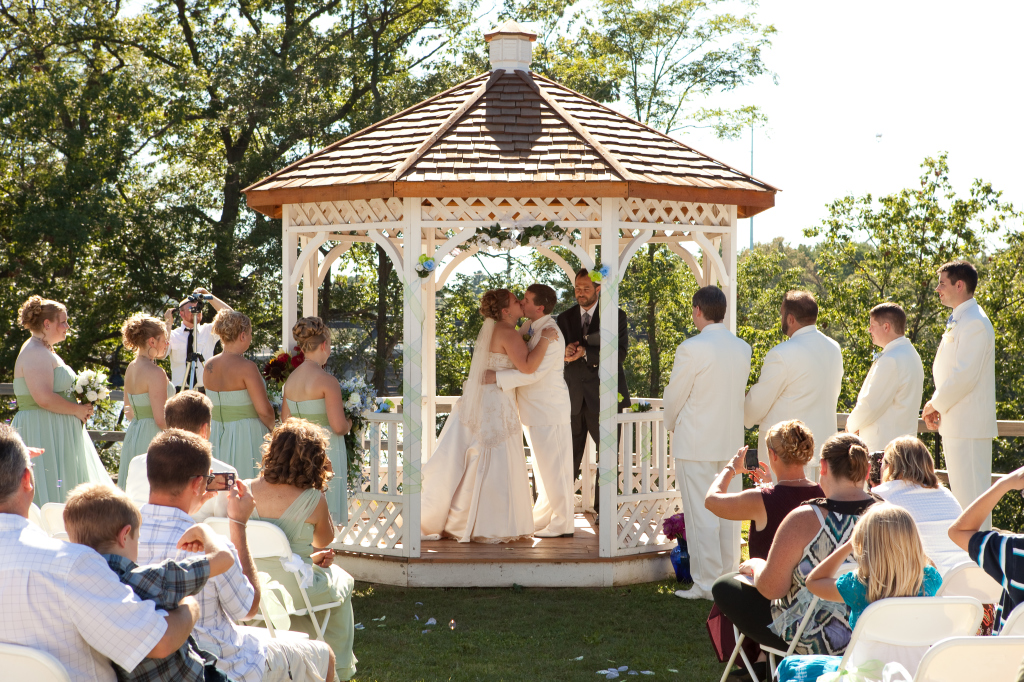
(196, 301)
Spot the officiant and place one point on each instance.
(192, 330)
(581, 326)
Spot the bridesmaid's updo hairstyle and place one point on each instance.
(791, 441)
(493, 302)
(847, 457)
(140, 328)
(309, 333)
(296, 454)
(229, 325)
(36, 310)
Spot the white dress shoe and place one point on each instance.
(693, 593)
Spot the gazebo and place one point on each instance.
(514, 148)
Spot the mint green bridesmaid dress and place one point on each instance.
(337, 492)
(237, 432)
(329, 585)
(69, 457)
(141, 431)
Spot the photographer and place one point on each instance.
(194, 333)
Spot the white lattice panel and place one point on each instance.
(356, 212)
(503, 209)
(681, 212)
(646, 481)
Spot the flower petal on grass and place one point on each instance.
(432, 621)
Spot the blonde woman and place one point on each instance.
(242, 413)
(289, 493)
(790, 449)
(45, 418)
(314, 394)
(909, 480)
(146, 387)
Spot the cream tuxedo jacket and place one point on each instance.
(800, 379)
(890, 398)
(543, 396)
(704, 397)
(965, 375)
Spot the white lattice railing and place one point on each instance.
(647, 490)
(646, 486)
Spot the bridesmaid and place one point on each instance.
(315, 395)
(146, 387)
(45, 418)
(242, 413)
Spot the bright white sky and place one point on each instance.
(929, 75)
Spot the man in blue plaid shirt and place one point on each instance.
(105, 518)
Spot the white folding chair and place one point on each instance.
(993, 659)
(970, 580)
(267, 541)
(1013, 626)
(901, 629)
(53, 518)
(36, 517)
(26, 663)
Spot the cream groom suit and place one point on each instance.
(544, 410)
(704, 409)
(890, 398)
(965, 396)
(801, 379)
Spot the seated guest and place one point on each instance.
(1001, 554)
(289, 493)
(806, 536)
(189, 411)
(909, 480)
(890, 563)
(62, 598)
(178, 465)
(790, 448)
(105, 519)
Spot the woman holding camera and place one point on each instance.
(146, 387)
(289, 493)
(45, 418)
(242, 413)
(314, 394)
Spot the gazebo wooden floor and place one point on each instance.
(530, 562)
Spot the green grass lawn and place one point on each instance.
(531, 633)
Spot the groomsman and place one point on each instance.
(704, 410)
(963, 407)
(800, 379)
(543, 400)
(581, 326)
(887, 405)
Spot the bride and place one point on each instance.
(475, 486)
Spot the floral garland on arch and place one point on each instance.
(498, 238)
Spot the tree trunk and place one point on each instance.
(381, 357)
(652, 331)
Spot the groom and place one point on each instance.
(543, 400)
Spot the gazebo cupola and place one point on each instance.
(510, 147)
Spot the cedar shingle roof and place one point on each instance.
(517, 130)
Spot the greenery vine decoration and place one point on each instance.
(496, 238)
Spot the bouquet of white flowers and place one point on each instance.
(91, 386)
(359, 398)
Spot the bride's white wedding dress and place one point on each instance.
(475, 485)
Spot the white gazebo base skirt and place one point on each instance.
(531, 562)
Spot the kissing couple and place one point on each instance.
(475, 485)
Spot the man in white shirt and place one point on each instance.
(800, 378)
(704, 410)
(544, 410)
(63, 599)
(179, 470)
(889, 400)
(190, 411)
(203, 339)
(963, 407)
